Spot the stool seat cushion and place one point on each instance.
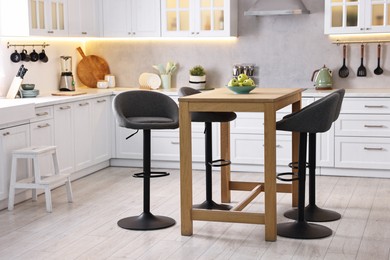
(145, 109)
(314, 118)
(206, 116)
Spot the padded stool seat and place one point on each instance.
(146, 110)
(208, 118)
(315, 118)
(37, 180)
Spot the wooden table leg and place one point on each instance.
(295, 152)
(270, 173)
(185, 170)
(225, 154)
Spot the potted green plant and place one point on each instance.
(197, 77)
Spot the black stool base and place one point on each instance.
(212, 205)
(303, 230)
(314, 214)
(146, 221)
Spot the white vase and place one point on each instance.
(166, 81)
(197, 82)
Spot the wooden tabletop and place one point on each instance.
(256, 95)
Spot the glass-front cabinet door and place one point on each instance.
(357, 16)
(199, 17)
(176, 17)
(48, 17)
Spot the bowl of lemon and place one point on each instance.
(241, 85)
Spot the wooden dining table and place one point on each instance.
(262, 100)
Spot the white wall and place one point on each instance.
(44, 75)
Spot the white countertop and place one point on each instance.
(46, 100)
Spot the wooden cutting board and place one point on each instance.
(91, 69)
(68, 93)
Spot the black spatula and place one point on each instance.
(344, 71)
(362, 72)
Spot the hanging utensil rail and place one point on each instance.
(27, 45)
(360, 42)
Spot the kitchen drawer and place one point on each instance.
(251, 123)
(362, 152)
(249, 149)
(366, 106)
(42, 113)
(363, 125)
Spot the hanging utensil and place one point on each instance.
(379, 70)
(362, 72)
(344, 71)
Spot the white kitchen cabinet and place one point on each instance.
(83, 134)
(12, 138)
(131, 18)
(101, 129)
(362, 135)
(42, 133)
(210, 18)
(83, 17)
(353, 16)
(165, 145)
(92, 132)
(64, 136)
(48, 17)
(33, 17)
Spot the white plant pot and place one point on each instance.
(197, 82)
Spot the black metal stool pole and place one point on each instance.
(312, 211)
(300, 228)
(209, 203)
(146, 220)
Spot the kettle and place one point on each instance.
(322, 78)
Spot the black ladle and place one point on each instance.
(379, 70)
(344, 71)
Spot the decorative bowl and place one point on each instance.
(28, 86)
(241, 89)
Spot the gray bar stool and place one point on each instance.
(314, 118)
(312, 211)
(208, 118)
(146, 110)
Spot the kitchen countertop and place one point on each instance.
(47, 100)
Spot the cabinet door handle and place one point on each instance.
(83, 104)
(42, 114)
(85, 33)
(371, 106)
(277, 146)
(6, 133)
(65, 107)
(175, 142)
(50, 31)
(373, 148)
(101, 101)
(43, 126)
(374, 126)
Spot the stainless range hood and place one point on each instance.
(277, 7)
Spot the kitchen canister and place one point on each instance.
(110, 80)
(102, 84)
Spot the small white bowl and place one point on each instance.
(102, 84)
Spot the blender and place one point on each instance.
(66, 81)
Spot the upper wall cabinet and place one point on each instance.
(48, 17)
(33, 17)
(84, 17)
(357, 16)
(199, 18)
(131, 18)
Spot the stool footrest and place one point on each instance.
(220, 163)
(279, 176)
(294, 165)
(152, 174)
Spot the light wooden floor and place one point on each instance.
(87, 228)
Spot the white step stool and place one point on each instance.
(37, 181)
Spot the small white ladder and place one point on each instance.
(36, 181)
